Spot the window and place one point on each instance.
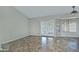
(69, 26)
(72, 27)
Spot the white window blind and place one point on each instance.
(69, 26)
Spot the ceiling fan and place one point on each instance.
(74, 11)
(73, 15)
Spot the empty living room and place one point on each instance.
(39, 28)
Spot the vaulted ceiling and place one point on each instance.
(38, 11)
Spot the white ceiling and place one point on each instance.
(38, 11)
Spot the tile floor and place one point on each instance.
(43, 44)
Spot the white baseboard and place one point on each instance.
(14, 39)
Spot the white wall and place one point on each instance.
(13, 25)
(35, 27)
